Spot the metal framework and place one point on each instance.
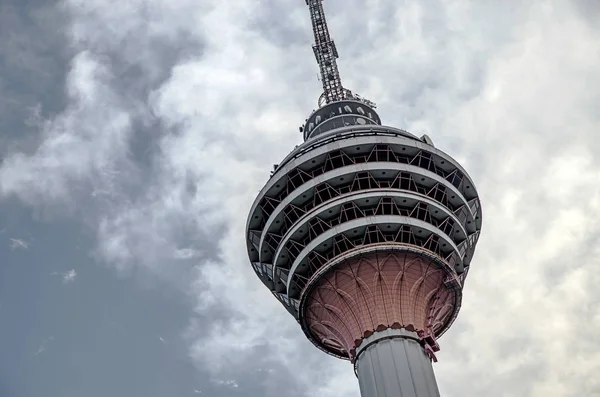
(326, 55)
(329, 183)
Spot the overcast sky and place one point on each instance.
(134, 136)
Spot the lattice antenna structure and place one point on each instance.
(326, 55)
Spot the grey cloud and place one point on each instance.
(275, 23)
(33, 57)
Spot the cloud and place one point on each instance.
(83, 147)
(44, 346)
(16, 243)
(509, 90)
(230, 383)
(69, 276)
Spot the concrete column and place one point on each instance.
(392, 363)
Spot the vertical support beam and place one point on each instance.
(394, 367)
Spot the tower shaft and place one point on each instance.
(326, 54)
(395, 366)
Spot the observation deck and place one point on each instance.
(364, 228)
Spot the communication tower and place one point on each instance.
(365, 234)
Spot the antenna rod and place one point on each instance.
(326, 54)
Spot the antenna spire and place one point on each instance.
(326, 55)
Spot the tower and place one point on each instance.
(365, 234)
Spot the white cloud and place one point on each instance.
(16, 243)
(44, 346)
(510, 90)
(230, 383)
(69, 276)
(84, 146)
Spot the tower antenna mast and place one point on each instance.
(326, 55)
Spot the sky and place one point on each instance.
(135, 135)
